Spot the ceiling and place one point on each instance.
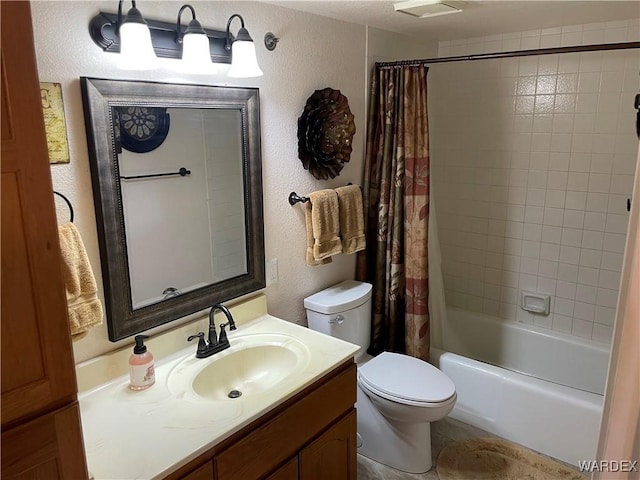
(478, 18)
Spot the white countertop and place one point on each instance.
(151, 433)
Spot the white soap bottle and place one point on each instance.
(141, 367)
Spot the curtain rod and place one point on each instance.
(514, 53)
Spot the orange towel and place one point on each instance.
(351, 218)
(85, 309)
(325, 224)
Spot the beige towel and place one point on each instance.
(85, 309)
(351, 218)
(325, 224)
(311, 261)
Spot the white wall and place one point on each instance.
(314, 52)
(533, 159)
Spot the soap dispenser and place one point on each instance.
(141, 368)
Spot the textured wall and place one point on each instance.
(533, 161)
(314, 53)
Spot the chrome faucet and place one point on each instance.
(214, 344)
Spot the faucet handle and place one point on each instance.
(202, 345)
(223, 334)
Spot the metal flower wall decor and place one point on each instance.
(325, 133)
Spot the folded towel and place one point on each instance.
(85, 309)
(351, 218)
(311, 261)
(325, 224)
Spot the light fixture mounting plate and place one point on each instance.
(428, 8)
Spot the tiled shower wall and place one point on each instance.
(532, 162)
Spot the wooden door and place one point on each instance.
(37, 359)
(333, 454)
(289, 471)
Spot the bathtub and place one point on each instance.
(538, 388)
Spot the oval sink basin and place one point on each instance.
(252, 365)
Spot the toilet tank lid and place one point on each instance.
(339, 298)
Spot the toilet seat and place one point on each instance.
(404, 379)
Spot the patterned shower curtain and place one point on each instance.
(396, 198)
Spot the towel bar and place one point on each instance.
(68, 204)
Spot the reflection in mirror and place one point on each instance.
(185, 232)
(176, 175)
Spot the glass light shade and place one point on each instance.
(136, 50)
(244, 63)
(196, 57)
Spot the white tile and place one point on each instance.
(617, 204)
(582, 142)
(537, 179)
(560, 142)
(606, 123)
(568, 63)
(599, 182)
(586, 293)
(581, 328)
(542, 124)
(613, 242)
(592, 240)
(593, 37)
(580, 162)
(548, 269)
(609, 102)
(602, 333)
(578, 181)
(527, 281)
(553, 216)
(508, 311)
(624, 164)
(533, 214)
(556, 198)
(576, 200)
(512, 246)
(535, 196)
(546, 285)
(590, 258)
(559, 162)
(569, 254)
(540, 161)
(529, 266)
(475, 304)
(589, 82)
(550, 41)
(544, 321)
(584, 123)
(562, 323)
(584, 311)
(605, 315)
(524, 317)
(607, 297)
(586, 103)
(573, 219)
(609, 279)
(556, 179)
(530, 249)
(490, 307)
(617, 223)
(549, 251)
(612, 261)
(493, 276)
(611, 81)
(551, 234)
(571, 237)
(541, 142)
(602, 163)
(568, 273)
(622, 184)
(588, 276)
(564, 306)
(514, 229)
(597, 202)
(563, 123)
(532, 232)
(566, 290)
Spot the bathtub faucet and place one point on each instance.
(214, 344)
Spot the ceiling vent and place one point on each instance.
(428, 8)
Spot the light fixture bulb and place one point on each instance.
(244, 63)
(136, 49)
(196, 57)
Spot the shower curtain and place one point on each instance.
(396, 198)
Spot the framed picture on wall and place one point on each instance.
(54, 122)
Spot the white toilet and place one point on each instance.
(398, 395)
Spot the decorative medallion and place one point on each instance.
(142, 129)
(325, 133)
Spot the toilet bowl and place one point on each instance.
(398, 395)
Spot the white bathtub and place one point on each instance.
(541, 389)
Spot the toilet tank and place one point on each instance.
(342, 311)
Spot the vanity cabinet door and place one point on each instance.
(333, 454)
(288, 471)
(205, 472)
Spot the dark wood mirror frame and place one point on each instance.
(99, 96)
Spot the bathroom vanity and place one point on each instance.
(294, 419)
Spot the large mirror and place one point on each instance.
(177, 184)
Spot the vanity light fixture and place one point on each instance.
(136, 49)
(167, 40)
(244, 63)
(195, 45)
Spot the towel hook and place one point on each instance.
(68, 204)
